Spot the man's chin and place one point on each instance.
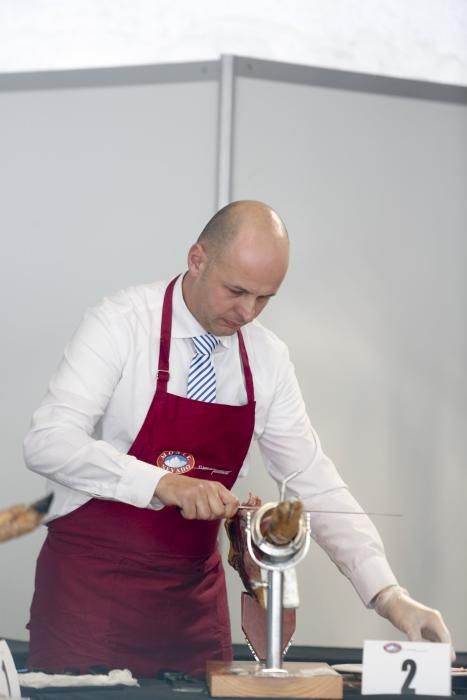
(225, 331)
(225, 328)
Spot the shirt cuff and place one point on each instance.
(155, 504)
(371, 577)
(138, 483)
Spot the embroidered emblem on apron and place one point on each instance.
(175, 462)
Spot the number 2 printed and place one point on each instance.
(411, 666)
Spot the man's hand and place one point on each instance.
(196, 498)
(417, 621)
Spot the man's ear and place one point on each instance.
(197, 259)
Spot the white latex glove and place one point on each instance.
(415, 620)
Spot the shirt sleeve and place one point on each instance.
(289, 444)
(60, 444)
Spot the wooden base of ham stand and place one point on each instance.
(240, 679)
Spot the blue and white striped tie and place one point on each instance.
(201, 384)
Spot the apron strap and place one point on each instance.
(166, 332)
(250, 392)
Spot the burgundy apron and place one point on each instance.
(125, 587)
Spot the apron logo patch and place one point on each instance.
(175, 462)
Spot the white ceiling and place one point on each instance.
(425, 39)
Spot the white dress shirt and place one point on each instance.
(100, 394)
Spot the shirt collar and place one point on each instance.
(184, 324)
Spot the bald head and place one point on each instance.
(235, 267)
(251, 218)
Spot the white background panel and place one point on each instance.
(101, 188)
(372, 189)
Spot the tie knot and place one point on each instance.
(205, 344)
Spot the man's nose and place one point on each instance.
(247, 309)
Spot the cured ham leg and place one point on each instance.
(20, 519)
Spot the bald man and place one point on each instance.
(181, 378)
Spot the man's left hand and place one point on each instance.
(415, 620)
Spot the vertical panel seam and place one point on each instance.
(225, 130)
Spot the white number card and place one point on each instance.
(9, 684)
(406, 668)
